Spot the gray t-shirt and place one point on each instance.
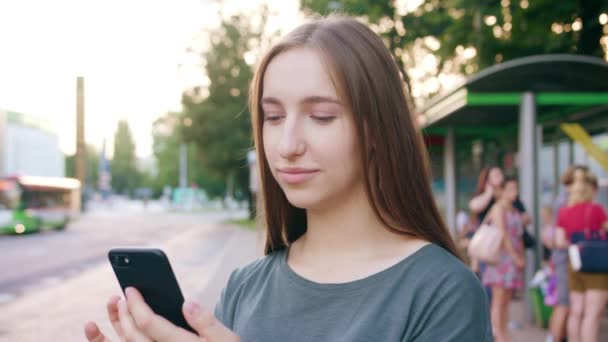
(428, 296)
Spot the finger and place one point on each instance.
(152, 325)
(112, 307)
(93, 334)
(128, 324)
(205, 323)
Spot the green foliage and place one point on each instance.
(166, 151)
(92, 165)
(125, 176)
(166, 141)
(218, 118)
(249, 224)
(525, 26)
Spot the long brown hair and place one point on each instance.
(483, 178)
(395, 163)
(584, 192)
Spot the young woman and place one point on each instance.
(507, 275)
(488, 189)
(488, 183)
(356, 248)
(588, 291)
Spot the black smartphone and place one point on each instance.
(149, 271)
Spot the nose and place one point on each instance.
(292, 142)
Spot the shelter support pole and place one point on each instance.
(449, 174)
(536, 219)
(556, 178)
(528, 178)
(3, 147)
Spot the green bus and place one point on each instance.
(30, 204)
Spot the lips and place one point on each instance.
(296, 175)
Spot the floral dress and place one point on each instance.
(505, 273)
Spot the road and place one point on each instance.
(30, 262)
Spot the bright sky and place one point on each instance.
(128, 52)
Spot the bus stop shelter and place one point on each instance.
(528, 99)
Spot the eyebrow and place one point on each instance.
(307, 100)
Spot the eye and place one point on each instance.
(323, 118)
(273, 117)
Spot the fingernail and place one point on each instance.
(193, 309)
(129, 291)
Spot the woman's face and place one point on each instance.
(309, 136)
(495, 177)
(510, 191)
(578, 186)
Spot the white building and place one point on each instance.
(29, 147)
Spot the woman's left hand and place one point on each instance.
(138, 322)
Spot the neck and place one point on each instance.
(578, 196)
(506, 203)
(345, 228)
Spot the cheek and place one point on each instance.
(341, 143)
(269, 143)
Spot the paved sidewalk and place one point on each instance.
(58, 312)
(526, 332)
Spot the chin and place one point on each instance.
(304, 199)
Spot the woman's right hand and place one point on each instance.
(133, 320)
(93, 333)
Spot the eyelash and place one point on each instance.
(272, 118)
(321, 119)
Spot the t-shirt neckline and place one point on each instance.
(350, 285)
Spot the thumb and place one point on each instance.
(206, 325)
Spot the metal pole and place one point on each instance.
(536, 220)
(570, 152)
(556, 171)
(183, 165)
(80, 162)
(3, 149)
(528, 166)
(449, 172)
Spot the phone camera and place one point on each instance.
(121, 260)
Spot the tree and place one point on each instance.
(166, 151)
(123, 168)
(216, 118)
(468, 35)
(92, 165)
(166, 142)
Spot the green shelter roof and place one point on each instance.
(567, 88)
